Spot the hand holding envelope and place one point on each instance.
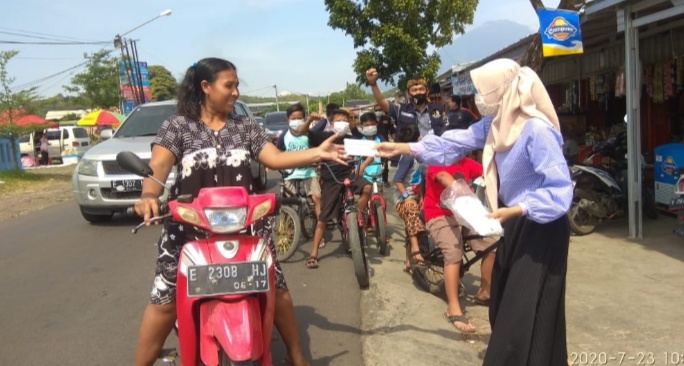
(354, 147)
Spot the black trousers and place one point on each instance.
(527, 305)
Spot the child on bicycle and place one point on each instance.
(295, 140)
(448, 235)
(369, 123)
(330, 189)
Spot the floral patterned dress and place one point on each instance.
(205, 158)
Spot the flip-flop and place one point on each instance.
(311, 263)
(481, 302)
(417, 262)
(458, 318)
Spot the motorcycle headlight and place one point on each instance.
(226, 220)
(87, 167)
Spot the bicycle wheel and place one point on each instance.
(380, 227)
(309, 220)
(357, 253)
(286, 233)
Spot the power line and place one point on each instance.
(55, 43)
(45, 58)
(44, 34)
(35, 37)
(38, 81)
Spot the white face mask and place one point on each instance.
(370, 131)
(296, 124)
(341, 128)
(484, 108)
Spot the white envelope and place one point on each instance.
(355, 147)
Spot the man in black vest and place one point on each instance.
(429, 117)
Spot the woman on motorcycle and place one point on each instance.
(212, 147)
(529, 189)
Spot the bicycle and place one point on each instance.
(377, 209)
(291, 223)
(351, 226)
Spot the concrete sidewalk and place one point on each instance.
(624, 300)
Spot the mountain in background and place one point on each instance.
(481, 42)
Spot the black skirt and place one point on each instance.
(527, 306)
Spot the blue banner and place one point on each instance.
(560, 32)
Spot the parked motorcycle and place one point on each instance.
(600, 193)
(677, 203)
(226, 282)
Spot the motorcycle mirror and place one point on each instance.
(132, 163)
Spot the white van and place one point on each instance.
(73, 138)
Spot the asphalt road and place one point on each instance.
(73, 293)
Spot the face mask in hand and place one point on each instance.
(486, 109)
(419, 99)
(341, 128)
(296, 124)
(370, 131)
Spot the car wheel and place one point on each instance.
(262, 180)
(95, 219)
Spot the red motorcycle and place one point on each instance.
(226, 283)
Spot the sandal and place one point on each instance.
(460, 319)
(418, 262)
(322, 244)
(408, 271)
(311, 263)
(481, 302)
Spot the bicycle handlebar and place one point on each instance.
(351, 163)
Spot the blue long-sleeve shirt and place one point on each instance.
(532, 174)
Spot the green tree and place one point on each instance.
(98, 85)
(353, 91)
(162, 83)
(394, 35)
(12, 105)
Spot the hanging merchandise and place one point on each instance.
(668, 79)
(600, 95)
(648, 79)
(679, 73)
(658, 83)
(620, 83)
(592, 88)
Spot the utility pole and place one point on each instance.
(308, 110)
(276, 92)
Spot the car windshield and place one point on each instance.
(276, 120)
(147, 120)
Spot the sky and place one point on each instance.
(272, 42)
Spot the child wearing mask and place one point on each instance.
(295, 140)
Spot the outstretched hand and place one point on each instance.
(506, 213)
(330, 151)
(391, 149)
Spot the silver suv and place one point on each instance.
(101, 188)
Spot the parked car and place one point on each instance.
(101, 188)
(276, 124)
(64, 138)
(260, 121)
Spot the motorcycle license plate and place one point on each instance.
(128, 185)
(676, 204)
(228, 279)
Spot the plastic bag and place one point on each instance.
(469, 210)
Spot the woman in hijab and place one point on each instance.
(529, 190)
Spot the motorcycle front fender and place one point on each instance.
(234, 327)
